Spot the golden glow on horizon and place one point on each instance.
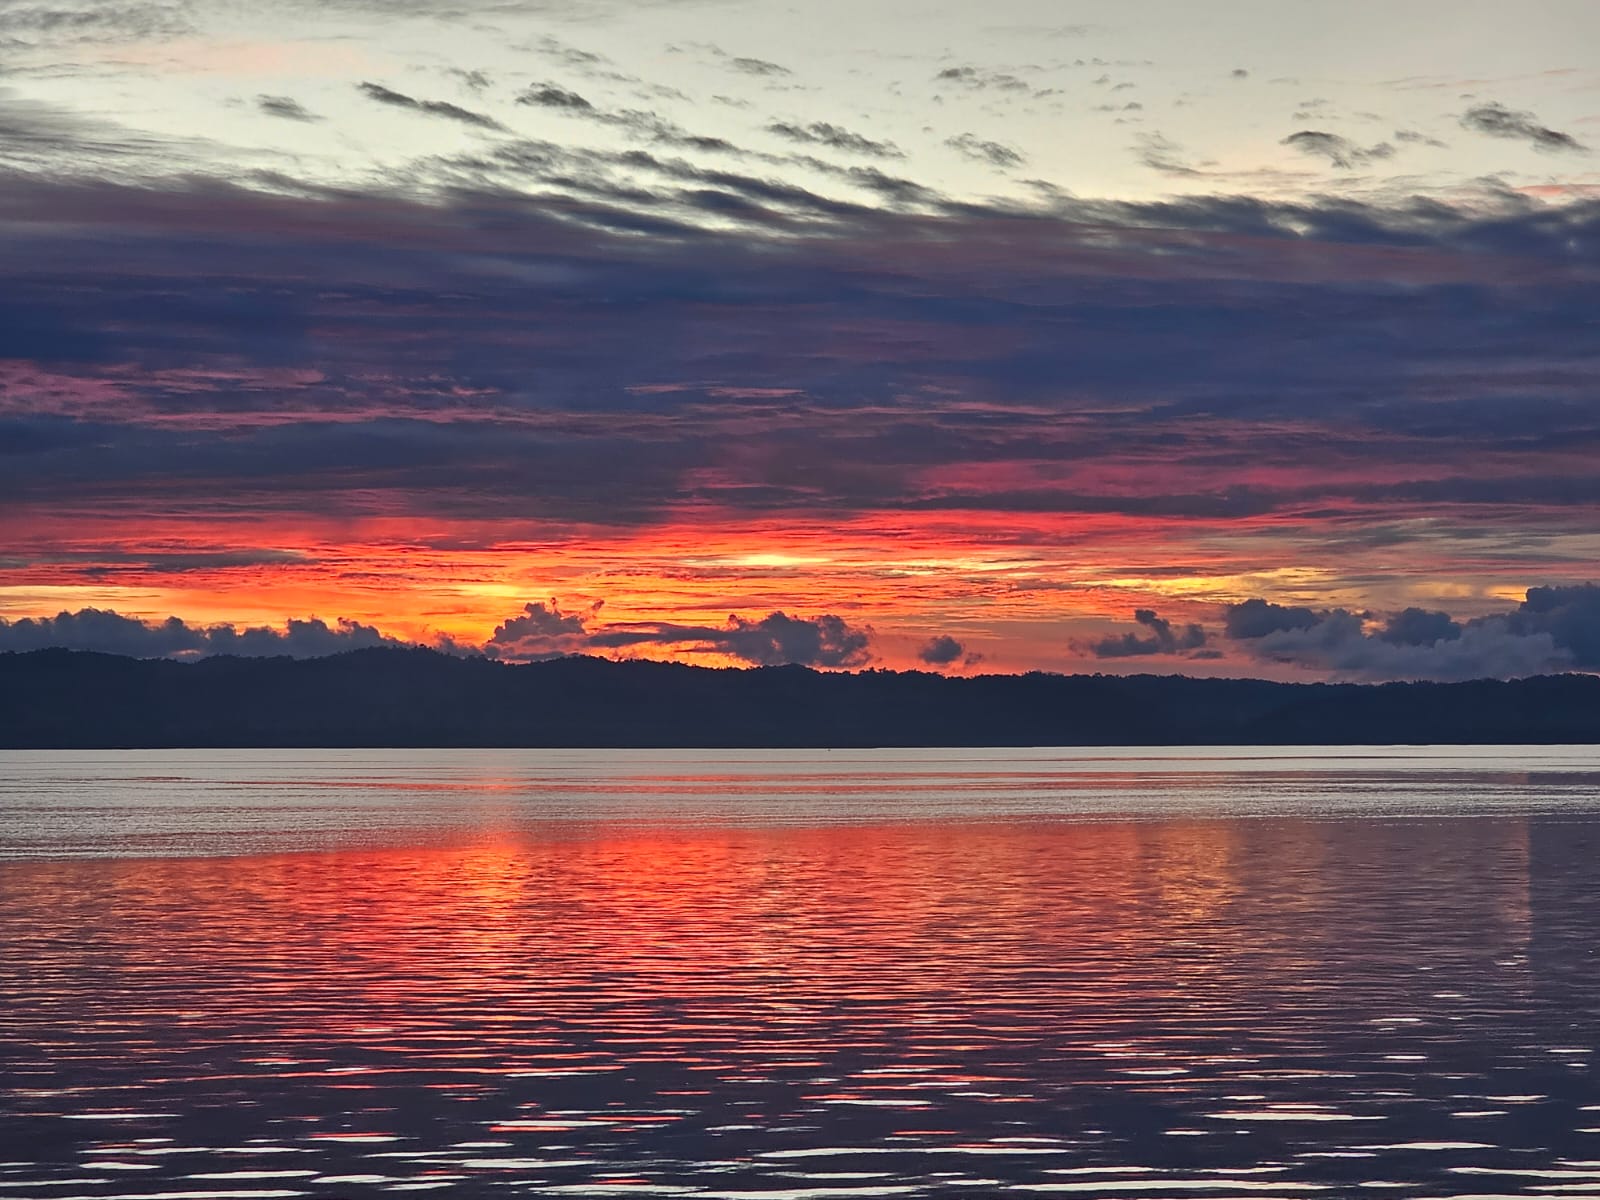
(1025, 591)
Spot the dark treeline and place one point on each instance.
(60, 698)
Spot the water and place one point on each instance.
(795, 975)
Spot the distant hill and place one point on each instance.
(69, 699)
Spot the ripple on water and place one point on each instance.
(928, 1002)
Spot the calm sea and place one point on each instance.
(798, 975)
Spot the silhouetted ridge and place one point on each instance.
(389, 697)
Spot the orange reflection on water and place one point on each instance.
(574, 1005)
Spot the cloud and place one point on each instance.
(348, 353)
(1552, 629)
(777, 639)
(542, 631)
(1159, 153)
(1339, 151)
(1258, 618)
(639, 122)
(757, 66)
(1163, 639)
(1419, 627)
(1497, 120)
(821, 133)
(941, 651)
(980, 79)
(545, 631)
(286, 107)
(99, 22)
(1569, 615)
(435, 108)
(549, 95)
(1413, 137)
(996, 154)
(112, 633)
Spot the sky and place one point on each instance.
(1246, 338)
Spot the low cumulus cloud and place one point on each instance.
(1163, 638)
(545, 631)
(110, 632)
(944, 653)
(777, 639)
(1552, 629)
(541, 631)
(1497, 120)
(1340, 151)
(941, 651)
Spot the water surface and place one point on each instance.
(1098, 973)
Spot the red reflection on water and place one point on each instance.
(578, 997)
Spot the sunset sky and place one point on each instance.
(1257, 337)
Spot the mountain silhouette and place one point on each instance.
(414, 697)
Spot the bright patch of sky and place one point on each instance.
(1133, 99)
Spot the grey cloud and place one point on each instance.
(1161, 154)
(286, 107)
(1339, 151)
(777, 639)
(549, 95)
(435, 108)
(1569, 615)
(757, 66)
(99, 22)
(1414, 138)
(541, 631)
(1257, 618)
(110, 632)
(821, 133)
(1553, 629)
(979, 79)
(996, 154)
(640, 122)
(1419, 627)
(941, 651)
(545, 631)
(1163, 638)
(1159, 314)
(1497, 120)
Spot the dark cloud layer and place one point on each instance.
(563, 335)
